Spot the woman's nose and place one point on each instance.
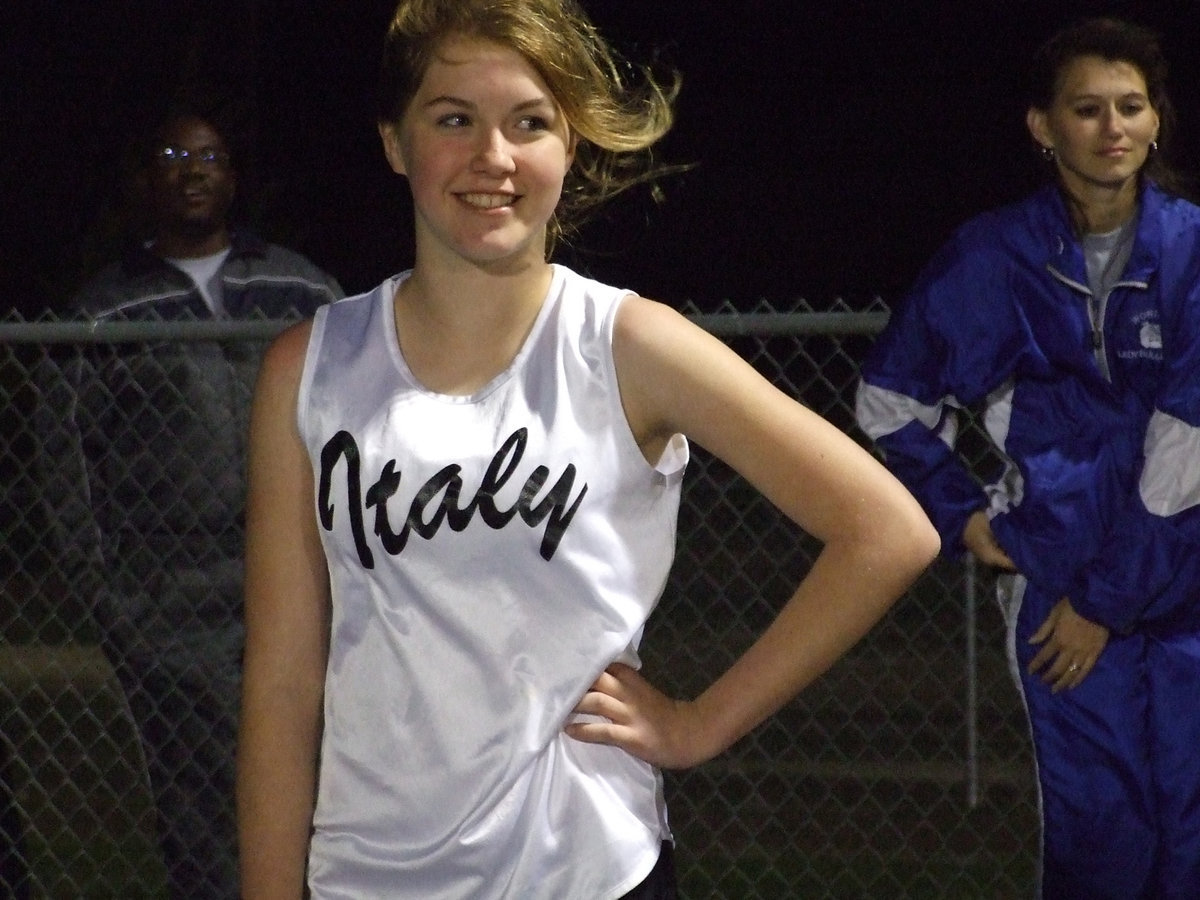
(1112, 122)
(494, 153)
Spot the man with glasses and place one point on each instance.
(144, 446)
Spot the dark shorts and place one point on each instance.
(660, 883)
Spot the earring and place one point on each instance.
(1154, 146)
(1047, 153)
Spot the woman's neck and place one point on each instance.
(1099, 209)
(459, 328)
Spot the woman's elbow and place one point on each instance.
(916, 540)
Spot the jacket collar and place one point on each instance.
(140, 260)
(1066, 254)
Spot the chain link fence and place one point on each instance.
(905, 772)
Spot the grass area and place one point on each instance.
(110, 866)
(77, 778)
(867, 876)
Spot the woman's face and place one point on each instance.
(485, 148)
(1099, 126)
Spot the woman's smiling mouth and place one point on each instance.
(488, 200)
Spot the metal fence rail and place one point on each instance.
(904, 772)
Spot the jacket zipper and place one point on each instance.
(1097, 309)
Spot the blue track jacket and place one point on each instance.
(1092, 402)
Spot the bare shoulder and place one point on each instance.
(278, 387)
(674, 376)
(660, 350)
(651, 341)
(643, 321)
(290, 345)
(644, 332)
(284, 358)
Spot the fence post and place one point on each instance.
(972, 700)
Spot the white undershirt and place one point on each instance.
(204, 271)
(1106, 255)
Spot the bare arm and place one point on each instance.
(286, 638)
(676, 378)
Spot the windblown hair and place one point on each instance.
(617, 111)
(1113, 40)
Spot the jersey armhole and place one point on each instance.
(673, 460)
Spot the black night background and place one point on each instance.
(835, 144)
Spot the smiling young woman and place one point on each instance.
(455, 685)
(485, 149)
(1071, 322)
(1099, 130)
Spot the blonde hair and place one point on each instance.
(616, 111)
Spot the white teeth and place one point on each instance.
(488, 201)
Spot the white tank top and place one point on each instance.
(489, 556)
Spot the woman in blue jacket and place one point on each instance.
(1071, 320)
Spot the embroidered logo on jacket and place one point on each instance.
(1149, 345)
(1150, 335)
(437, 501)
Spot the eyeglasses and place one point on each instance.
(170, 157)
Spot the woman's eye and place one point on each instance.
(533, 123)
(1088, 111)
(453, 120)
